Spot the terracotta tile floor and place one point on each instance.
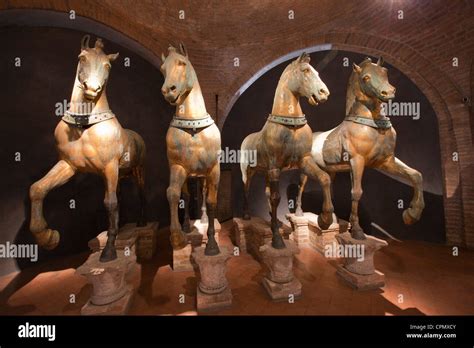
(430, 279)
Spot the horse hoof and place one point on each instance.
(178, 240)
(108, 254)
(408, 218)
(186, 227)
(323, 224)
(277, 242)
(358, 234)
(48, 239)
(247, 216)
(211, 248)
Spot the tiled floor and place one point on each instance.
(421, 278)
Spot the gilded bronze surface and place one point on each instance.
(190, 152)
(280, 147)
(103, 148)
(352, 146)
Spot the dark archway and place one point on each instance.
(418, 146)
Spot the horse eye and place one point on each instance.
(181, 62)
(366, 78)
(306, 71)
(107, 66)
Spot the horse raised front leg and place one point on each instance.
(57, 176)
(274, 178)
(211, 201)
(311, 169)
(186, 198)
(299, 209)
(111, 173)
(396, 167)
(357, 171)
(178, 176)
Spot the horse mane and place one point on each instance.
(351, 87)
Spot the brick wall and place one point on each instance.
(422, 45)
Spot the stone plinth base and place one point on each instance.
(320, 239)
(280, 281)
(211, 302)
(119, 307)
(361, 281)
(144, 239)
(213, 291)
(109, 284)
(282, 291)
(358, 267)
(250, 235)
(201, 228)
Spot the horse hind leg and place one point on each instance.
(204, 217)
(57, 176)
(186, 197)
(303, 180)
(269, 200)
(139, 175)
(247, 174)
(396, 167)
(311, 169)
(211, 201)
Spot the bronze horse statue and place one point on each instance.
(368, 139)
(193, 143)
(90, 139)
(285, 141)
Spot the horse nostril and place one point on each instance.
(384, 93)
(173, 88)
(322, 91)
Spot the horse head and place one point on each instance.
(93, 68)
(373, 80)
(179, 75)
(304, 80)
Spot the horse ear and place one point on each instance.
(356, 68)
(85, 42)
(163, 58)
(171, 49)
(99, 43)
(112, 57)
(183, 50)
(304, 58)
(380, 61)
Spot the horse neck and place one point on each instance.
(79, 104)
(193, 107)
(359, 104)
(285, 102)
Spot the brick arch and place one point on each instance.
(443, 94)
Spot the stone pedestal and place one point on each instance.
(250, 235)
(182, 261)
(144, 239)
(212, 292)
(280, 281)
(320, 238)
(111, 294)
(358, 268)
(299, 225)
